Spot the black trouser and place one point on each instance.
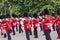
(20, 29)
(27, 34)
(30, 31)
(41, 27)
(47, 34)
(16, 28)
(1, 32)
(35, 33)
(13, 30)
(53, 27)
(9, 36)
(4, 35)
(58, 31)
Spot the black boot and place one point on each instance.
(4, 35)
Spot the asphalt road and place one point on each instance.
(22, 36)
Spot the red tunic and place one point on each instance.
(14, 22)
(53, 19)
(46, 23)
(57, 21)
(30, 22)
(26, 23)
(19, 22)
(6, 25)
(35, 22)
(40, 19)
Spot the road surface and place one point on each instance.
(22, 36)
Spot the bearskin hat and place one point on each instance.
(46, 12)
(0, 16)
(35, 15)
(25, 14)
(8, 15)
(14, 15)
(53, 14)
(58, 11)
(19, 15)
(41, 14)
(3, 16)
(30, 14)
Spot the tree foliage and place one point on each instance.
(31, 6)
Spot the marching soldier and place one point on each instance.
(27, 25)
(6, 27)
(30, 17)
(3, 28)
(40, 19)
(53, 25)
(13, 23)
(35, 24)
(46, 24)
(57, 22)
(19, 24)
(16, 22)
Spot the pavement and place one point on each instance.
(22, 36)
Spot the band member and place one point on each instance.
(57, 22)
(35, 25)
(3, 31)
(53, 18)
(27, 25)
(19, 24)
(13, 23)
(46, 24)
(6, 27)
(30, 17)
(16, 22)
(40, 19)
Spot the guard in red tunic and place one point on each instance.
(13, 23)
(53, 25)
(30, 17)
(51, 18)
(40, 20)
(46, 24)
(35, 25)
(57, 22)
(27, 25)
(16, 22)
(30, 26)
(6, 27)
(19, 24)
(2, 28)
